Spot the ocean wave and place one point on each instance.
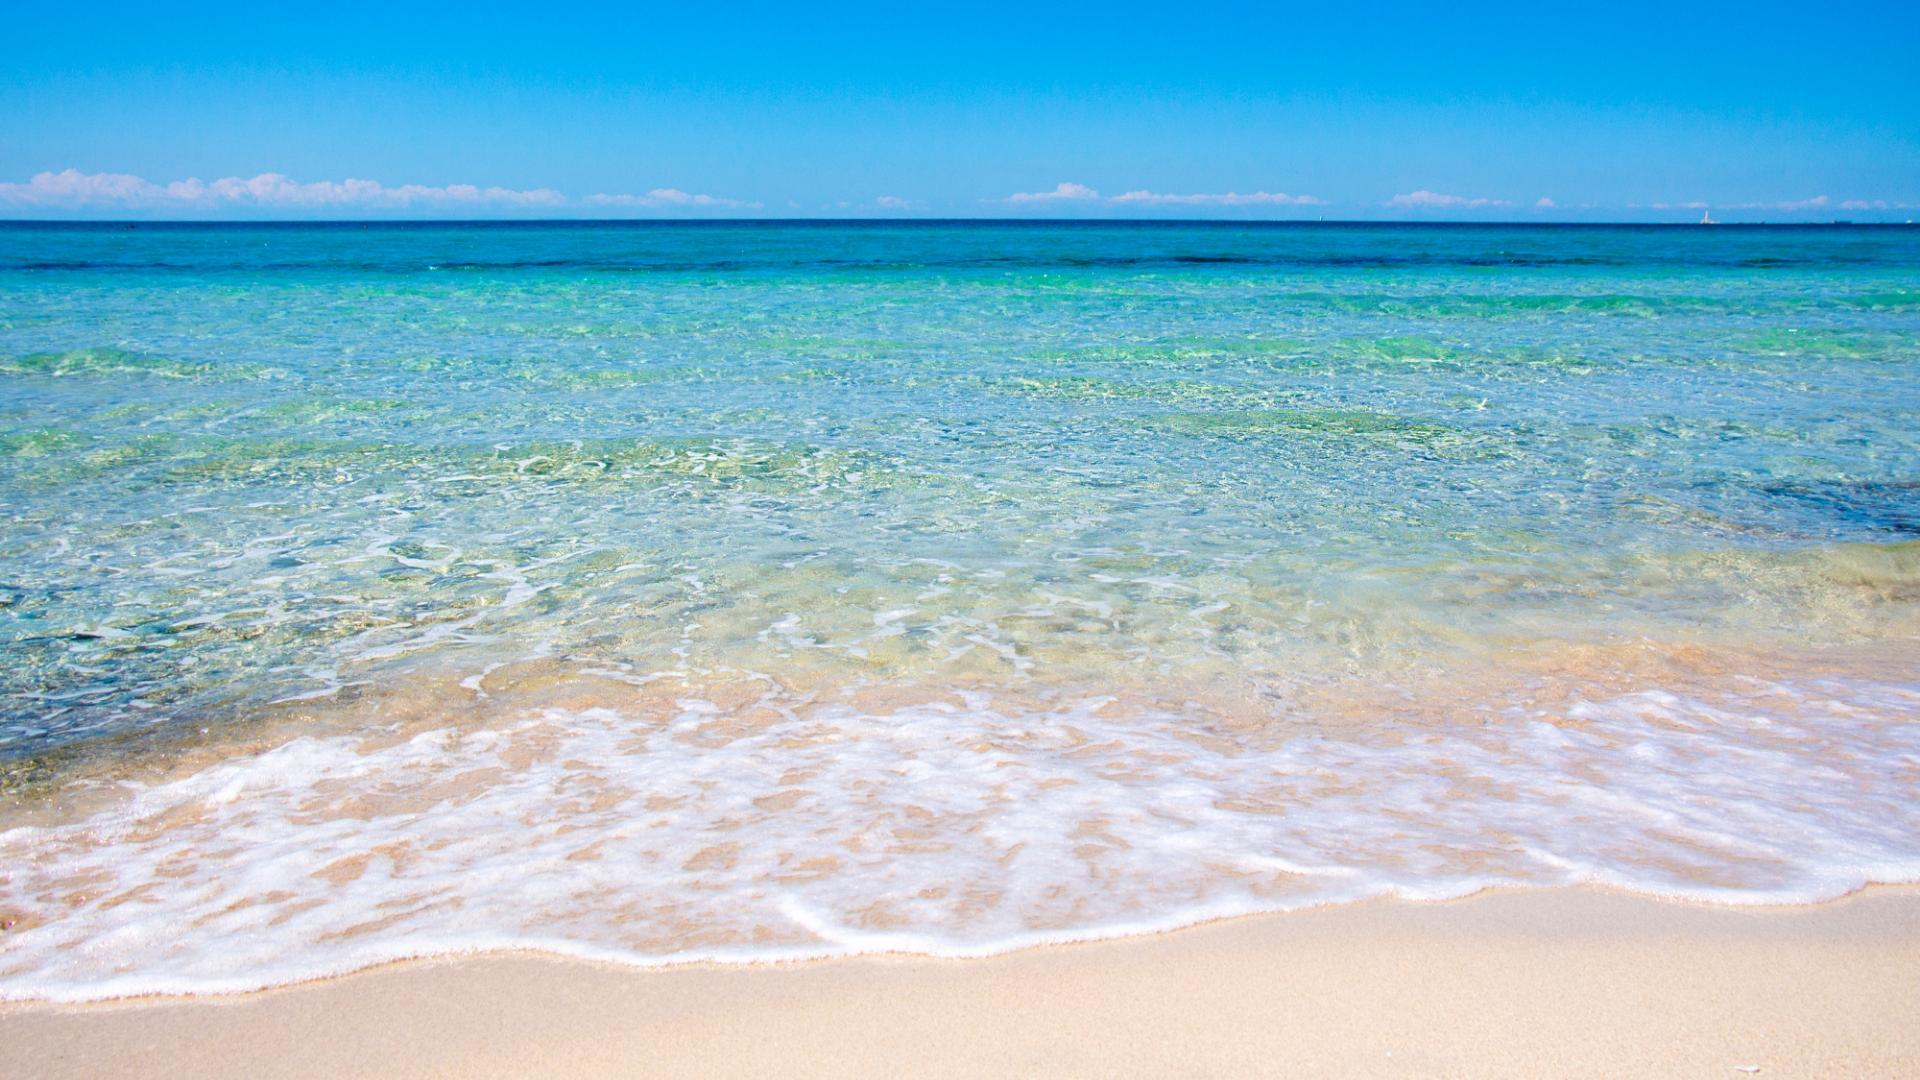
(952, 825)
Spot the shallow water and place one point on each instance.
(1123, 574)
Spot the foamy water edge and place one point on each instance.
(1791, 794)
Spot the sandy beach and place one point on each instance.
(1561, 982)
(959, 542)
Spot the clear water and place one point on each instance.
(1058, 547)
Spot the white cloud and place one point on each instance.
(72, 189)
(669, 197)
(1874, 204)
(1545, 203)
(1071, 192)
(1424, 199)
(1065, 192)
(1815, 202)
(1230, 198)
(75, 188)
(894, 202)
(1818, 202)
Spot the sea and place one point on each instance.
(660, 592)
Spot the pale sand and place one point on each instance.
(1562, 983)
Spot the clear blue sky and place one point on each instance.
(1623, 111)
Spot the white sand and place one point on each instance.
(1564, 983)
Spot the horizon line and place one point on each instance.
(1162, 222)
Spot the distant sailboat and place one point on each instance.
(1706, 218)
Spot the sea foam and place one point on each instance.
(956, 827)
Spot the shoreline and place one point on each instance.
(1569, 981)
(789, 835)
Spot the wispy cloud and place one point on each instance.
(1789, 206)
(1544, 203)
(1081, 193)
(660, 198)
(1818, 202)
(1065, 192)
(72, 189)
(1432, 200)
(1229, 198)
(894, 202)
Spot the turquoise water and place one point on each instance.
(1237, 482)
(247, 463)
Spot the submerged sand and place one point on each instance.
(1558, 982)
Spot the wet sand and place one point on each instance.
(1563, 982)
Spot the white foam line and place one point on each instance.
(938, 829)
